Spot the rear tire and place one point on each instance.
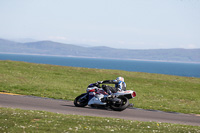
(120, 106)
(81, 101)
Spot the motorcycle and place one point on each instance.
(97, 97)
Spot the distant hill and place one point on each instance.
(60, 49)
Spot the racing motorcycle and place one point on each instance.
(96, 96)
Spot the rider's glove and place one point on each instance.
(100, 82)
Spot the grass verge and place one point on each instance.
(18, 121)
(154, 91)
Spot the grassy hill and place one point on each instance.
(154, 91)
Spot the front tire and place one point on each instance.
(81, 101)
(121, 105)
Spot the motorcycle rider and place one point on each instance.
(119, 85)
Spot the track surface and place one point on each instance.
(67, 107)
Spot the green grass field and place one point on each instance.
(154, 91)
(21, 121)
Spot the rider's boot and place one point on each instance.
(111, 96)
(108, 97)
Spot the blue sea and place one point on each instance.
(169, 68)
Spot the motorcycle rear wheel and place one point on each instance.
(120, 106)
(81, 101)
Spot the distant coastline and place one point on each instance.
(101, 58)
(50, 48)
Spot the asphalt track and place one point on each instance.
(67, 107)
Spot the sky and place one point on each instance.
(127, 24)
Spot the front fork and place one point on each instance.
(83, 97)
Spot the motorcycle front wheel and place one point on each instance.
(122, 105)
(81, 101)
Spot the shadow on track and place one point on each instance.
(93, 107)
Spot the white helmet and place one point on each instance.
(120, 79)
